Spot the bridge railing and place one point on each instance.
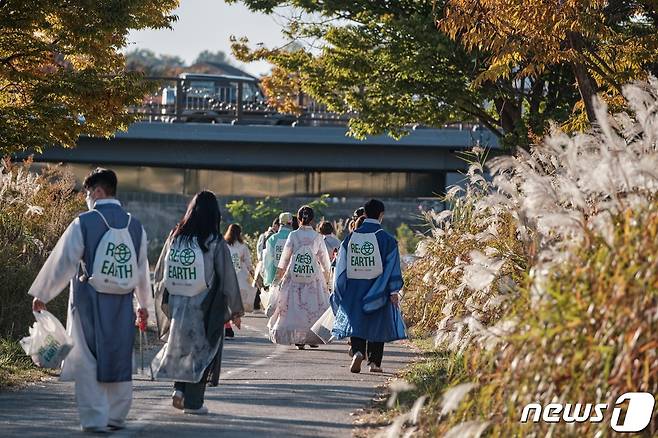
(232, 100)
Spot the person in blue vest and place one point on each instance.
(366, 294)
(103, 254)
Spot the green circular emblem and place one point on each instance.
(306, 259)
(187, 257)
(367, 248)
(122, 253)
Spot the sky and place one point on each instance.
(208, 25)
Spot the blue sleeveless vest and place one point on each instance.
(107, 320)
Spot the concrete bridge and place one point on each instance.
(268, 148)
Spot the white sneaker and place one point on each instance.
(201, 411)
(356, 362)
(375, 368)
(177, 399)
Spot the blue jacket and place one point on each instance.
(363, 308)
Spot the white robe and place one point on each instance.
(242, 264)
(99, 404)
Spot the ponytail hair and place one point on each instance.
(305, 215)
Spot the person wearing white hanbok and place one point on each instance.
(101, 323)
(241, 258)
(302, 276)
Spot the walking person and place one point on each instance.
(359, 212)
(303, 274)
(196, 293)
(262, 239)
(103, 255)
(260, 254)
(366, 293)
(241, 258)
(274, 248)
(332, 242)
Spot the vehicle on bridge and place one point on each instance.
(228, 99)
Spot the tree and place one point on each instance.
(147, 62)
(61, 70)
(605, 43)
(385, 62)
(208, 56)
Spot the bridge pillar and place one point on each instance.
(239, 103)
(180, 102)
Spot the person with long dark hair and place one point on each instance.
(303, 296)
(196, 293)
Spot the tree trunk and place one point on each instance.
(586, 84)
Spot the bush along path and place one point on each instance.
(542, 285)
(35, 209)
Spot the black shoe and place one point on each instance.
(229, 333)
(300, 346)
(313, 346)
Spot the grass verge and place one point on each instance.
(16, 369)
(430, 374)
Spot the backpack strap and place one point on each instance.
(85, 273)
(102, 217)
(108, 225)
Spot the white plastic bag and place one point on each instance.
(324, 326)
(48, 343)
(265, 296)
(272, 299)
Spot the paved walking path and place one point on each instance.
(265, 391)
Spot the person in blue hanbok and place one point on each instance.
(366, 293)
(100, 320)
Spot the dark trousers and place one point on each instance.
(372, 351)
(257, 300)
(193, 392)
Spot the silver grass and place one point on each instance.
(395, 429)
(414, 413)
(453, 397)
(396, 387)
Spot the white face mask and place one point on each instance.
(90, 201)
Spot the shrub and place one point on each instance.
(407, 239)
(254, 218)
(545, 281)
(34, 212)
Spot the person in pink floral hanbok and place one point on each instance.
(303, 294)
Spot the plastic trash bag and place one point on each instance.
(48, 343)
(257, 279)
(323, 326)
(272, 299)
